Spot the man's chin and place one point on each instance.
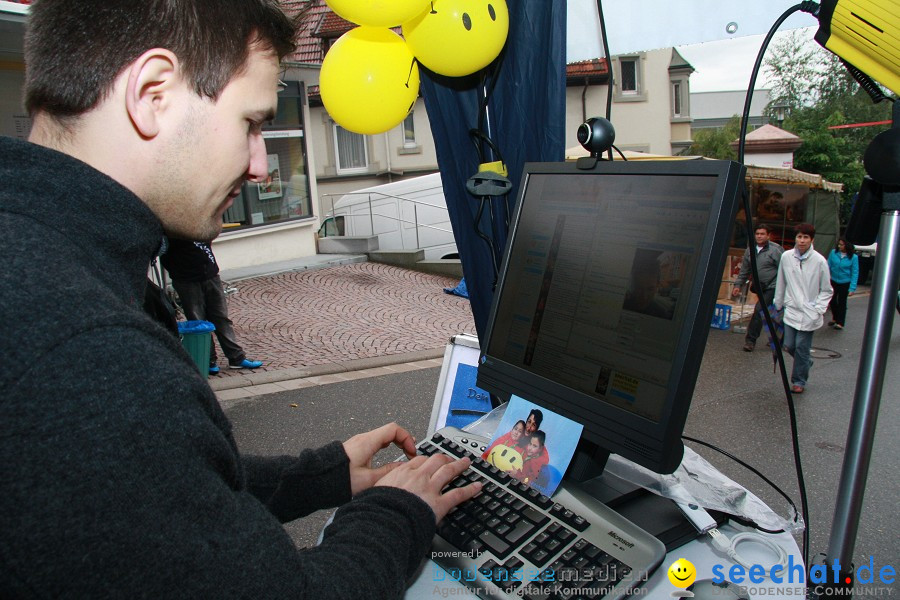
(196, 234)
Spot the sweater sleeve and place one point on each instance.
(854, 273)
(292, 487)
(129, 480)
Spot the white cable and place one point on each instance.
(729, 547)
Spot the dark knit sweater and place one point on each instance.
(120, 476)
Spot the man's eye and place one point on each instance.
(254, 126)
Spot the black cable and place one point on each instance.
(478, 137)
(754, 471)
(813, 9)
(866, 83)
(482, 137)
(609, 68)
(494, 76)
(490, 243)
(620, 153)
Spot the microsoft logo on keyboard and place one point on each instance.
(620, 539)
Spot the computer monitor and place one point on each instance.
(606, 296)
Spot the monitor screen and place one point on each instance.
(606, 296)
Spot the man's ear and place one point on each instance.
(152, 80)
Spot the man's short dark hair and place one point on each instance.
(538, 416)
(765, 226)
(75, 49)
(805, 228)
(541, 437)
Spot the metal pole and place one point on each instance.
(371, 218)
(869, 381)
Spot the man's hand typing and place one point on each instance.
(424, 477)
(363, 447)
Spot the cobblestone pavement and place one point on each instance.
(338, 314)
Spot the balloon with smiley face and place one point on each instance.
(378, 13)
(458, 37)
(369, 81)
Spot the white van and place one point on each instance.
(405, 215)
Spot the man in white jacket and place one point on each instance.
(803, 290)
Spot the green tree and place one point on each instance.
(716, 142)
(820, 93)
(790, 67)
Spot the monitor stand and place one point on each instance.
(655, 514)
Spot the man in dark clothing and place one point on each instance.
(123, 482)
(195, 276)
(768, 255)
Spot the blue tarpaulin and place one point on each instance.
(525, 119)
(459, 290)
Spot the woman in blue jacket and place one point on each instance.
(844, 266)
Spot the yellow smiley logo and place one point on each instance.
(682, 573)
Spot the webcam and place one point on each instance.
(596, 135)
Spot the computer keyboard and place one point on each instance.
(511, 541)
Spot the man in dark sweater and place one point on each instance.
(195, 276)
(123, 482)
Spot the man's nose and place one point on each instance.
(259, 162)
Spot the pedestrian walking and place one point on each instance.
(768, 256)
(844, 267)
(802, 290)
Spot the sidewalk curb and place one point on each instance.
(263, 377)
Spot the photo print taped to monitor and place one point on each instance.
(537, 454)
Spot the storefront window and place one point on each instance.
(780, 206)
(284, 195)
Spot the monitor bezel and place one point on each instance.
(656, 446)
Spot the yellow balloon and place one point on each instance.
(369, 81)
(378, 13)
(458, 37)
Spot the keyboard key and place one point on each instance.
(565, 535)
(579, 523)
(495, 545)
(543, 501)
(453, 448)
(535, 516)
(540, 557)
(520, 532)
(553, 545)
(487, 568)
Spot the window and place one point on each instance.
(409, 131)
(350, 151)
(629, 79)
(676, 98)
(629, 73)
(284, 195)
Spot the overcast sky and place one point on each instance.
(726, 64)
